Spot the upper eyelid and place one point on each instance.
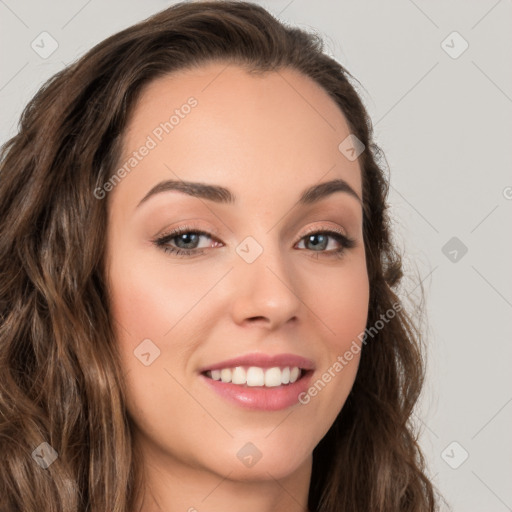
(187, 229)
(213, 233)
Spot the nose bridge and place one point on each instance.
(265, 283)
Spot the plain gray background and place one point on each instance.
(443, 116)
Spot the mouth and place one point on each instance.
(258, 377)
(261, 389)
(260, 381)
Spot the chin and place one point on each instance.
(248, 464)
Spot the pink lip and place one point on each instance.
(263, 361)
(259, 397)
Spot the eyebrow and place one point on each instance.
(222, 195)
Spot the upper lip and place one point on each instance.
(263, 361)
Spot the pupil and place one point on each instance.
(322, 243)
(191, 239)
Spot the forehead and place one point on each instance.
(255, 131)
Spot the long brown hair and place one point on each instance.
(60, 377)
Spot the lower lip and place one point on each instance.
(259, 397)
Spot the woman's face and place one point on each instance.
(268, 276)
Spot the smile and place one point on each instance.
(253, 376)
(258, 389)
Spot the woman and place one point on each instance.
(197, 296)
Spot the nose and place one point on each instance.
(265, 292)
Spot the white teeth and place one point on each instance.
(225, 375)
(256, 376)
(294, 374)
(238, 376)
(273, 377)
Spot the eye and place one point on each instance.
(320, 240)
(185, 241)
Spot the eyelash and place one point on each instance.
(162, 242)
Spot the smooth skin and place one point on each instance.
(266, 138)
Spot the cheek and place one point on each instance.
(342, 307)
(152, 301)
(150, 297)
(341, 304)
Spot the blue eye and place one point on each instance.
(184, 241)
(319, 241)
